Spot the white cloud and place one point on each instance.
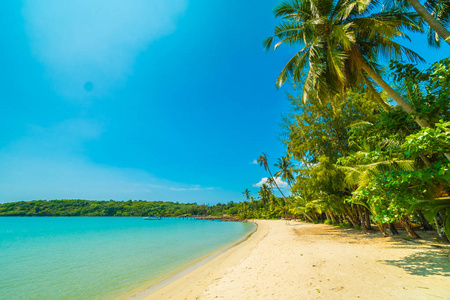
(281, 184)
(195, 188)
(95, 41)
(254, 162)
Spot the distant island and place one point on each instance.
(114, 208)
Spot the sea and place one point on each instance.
(102, 257)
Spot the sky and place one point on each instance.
(158, 100)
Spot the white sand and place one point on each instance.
(290, 260)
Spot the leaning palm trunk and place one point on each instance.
(432, 22)
(407, 225)
(382, 230)
(423, 221)
(351, 217)
(286, 199)
(334, 218)
(393, 94)
(392, 229)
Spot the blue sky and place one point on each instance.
(168, 100)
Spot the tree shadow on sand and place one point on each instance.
(424, 263)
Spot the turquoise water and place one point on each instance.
(100, 257)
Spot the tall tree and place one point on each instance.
(439, 16)
(285, 171)
(271, 182)
(246, 194)
(436, 13)
(342, 42)
(262, 160)
(264, 193)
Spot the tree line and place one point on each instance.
(111, 208)
(367, 142)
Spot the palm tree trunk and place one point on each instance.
(382, 230)
(437, 227)
(392, 229)
(425, 160)
(367, 217)
(423, 221)
(393, 94)
(432, 22)
(407, 225)
(334, 218)
(361, 218)
(377, 96)
(306, 216)
(328, 216)
(351, 217)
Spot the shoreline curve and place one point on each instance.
(175, 279)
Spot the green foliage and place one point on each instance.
(270, 208)
(437, 207)
(428, 90)
(352, 161)
(318, 137)
(113, 208)
(350, 153)
(429, 141)
(338, 39)
(344, 225)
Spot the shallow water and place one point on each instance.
(100, 257)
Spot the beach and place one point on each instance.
(296, 260)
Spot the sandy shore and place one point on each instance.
(291, 260)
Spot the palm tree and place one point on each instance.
(439, 16)
(246, 193)
(262, 160)
(342, 41)
(264, 193)
(285, 172)
(361, 169)
(271, 182)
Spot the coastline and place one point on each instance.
(283, 260)
(183, 271)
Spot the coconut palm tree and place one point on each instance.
(436, 13)
(264, 193)
(342, 41)
(436, 20)
(262, 160)
(362, 168)
(285, 171)
(271, 182)
(246, 193)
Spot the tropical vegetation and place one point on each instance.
(130, 208)
(368, 138)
